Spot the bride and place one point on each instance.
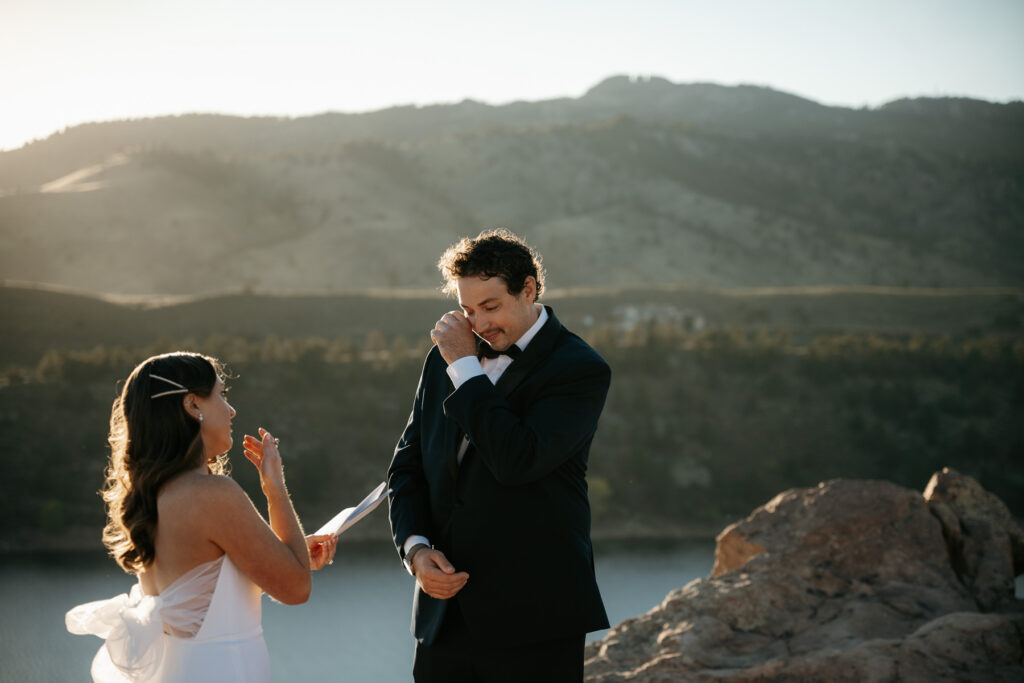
(202, 553)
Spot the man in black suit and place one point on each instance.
(489, 509)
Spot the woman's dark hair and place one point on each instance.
(152, 440)
(494, 253)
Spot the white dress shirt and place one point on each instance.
(466, 368)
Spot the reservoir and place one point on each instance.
(355, 626)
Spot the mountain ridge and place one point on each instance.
(638, 181)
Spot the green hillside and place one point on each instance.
(720, 399)
(43, 318)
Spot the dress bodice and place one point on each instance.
(235, 606)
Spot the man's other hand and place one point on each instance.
(436, 575)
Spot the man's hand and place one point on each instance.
(454, 337)
(321, 550)
(436, 575)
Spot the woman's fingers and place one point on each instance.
(330, 547)
(262, 452)
(321, 550)
(253, 449)
(252, 457)
(269, 442)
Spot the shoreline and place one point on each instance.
(86, 540)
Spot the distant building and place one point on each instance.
(629, 317)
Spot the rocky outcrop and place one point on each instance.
(848, 581)
(986, 545)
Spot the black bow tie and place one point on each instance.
(484, 350)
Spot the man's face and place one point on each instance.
(496, 316)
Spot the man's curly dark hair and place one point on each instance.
(492, 253)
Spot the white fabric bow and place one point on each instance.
(131, 625)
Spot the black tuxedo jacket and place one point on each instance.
(515, 513)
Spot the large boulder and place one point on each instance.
(985, 543)
(847, 581)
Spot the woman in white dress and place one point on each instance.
(202, 553)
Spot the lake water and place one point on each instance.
(355, 626)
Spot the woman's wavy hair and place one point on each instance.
(151, 441)
(493, 253)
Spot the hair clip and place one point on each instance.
(182, 389)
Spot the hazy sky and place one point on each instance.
(64, 62)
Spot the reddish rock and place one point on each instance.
(986, 545)
(848, 581)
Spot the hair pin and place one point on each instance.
(182, 389)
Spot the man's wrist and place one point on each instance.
(463, 369)
(411, 555)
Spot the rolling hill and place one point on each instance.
(638, 182)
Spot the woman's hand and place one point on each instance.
(264, 455)
(321, 550)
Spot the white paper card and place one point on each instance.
(349, 516)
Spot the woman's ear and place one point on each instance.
(190, 406)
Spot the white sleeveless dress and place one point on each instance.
(203, 627)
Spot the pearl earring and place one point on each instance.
(200, 417)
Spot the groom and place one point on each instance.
(489, 509)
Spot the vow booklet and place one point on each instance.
(349, 516)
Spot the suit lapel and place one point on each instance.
(452, 440)
(536, 351)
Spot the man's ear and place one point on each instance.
(530, 288)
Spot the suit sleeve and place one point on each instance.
(410, 497)
(560, 420)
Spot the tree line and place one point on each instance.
(699, 427)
